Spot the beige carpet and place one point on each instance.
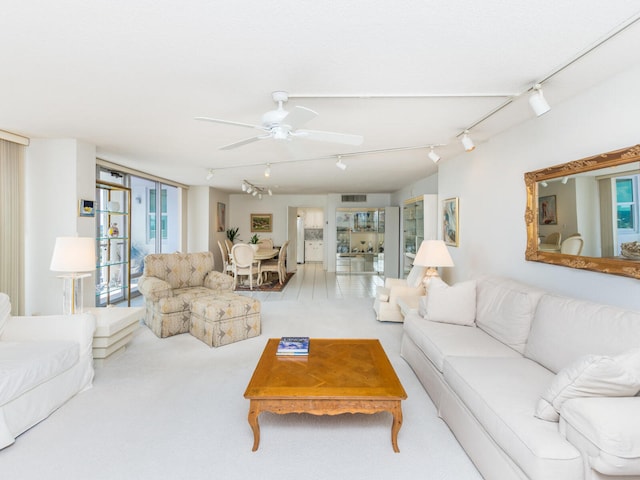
(174, 409)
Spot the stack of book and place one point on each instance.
(293, 346)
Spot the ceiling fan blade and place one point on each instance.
(298, 117)
(246, 141)
(228, 122)
(333, 137)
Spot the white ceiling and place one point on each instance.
(130, 76)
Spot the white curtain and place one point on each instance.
(11, 223)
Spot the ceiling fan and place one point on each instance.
(283, 125)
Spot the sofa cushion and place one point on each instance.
(591, 376)
(25, 365)
(382, 294)
(565, 329)
(438, 340)
(451, 304)
(5, 310)
(501, 393)
(505, 309)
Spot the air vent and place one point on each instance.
(354, 198)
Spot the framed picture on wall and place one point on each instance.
(261, 222)
(221, 220)
(450, 225)
(86, 208)
(547, 213)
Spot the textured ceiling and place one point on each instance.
(130, 76)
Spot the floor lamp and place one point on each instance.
(75, 258)
(432, 254)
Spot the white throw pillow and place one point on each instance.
(591, 376)
(414, 279)
(451, 304)
(5, 310)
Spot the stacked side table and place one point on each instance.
(114, 329)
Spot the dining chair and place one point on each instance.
(226, 264)
(572, 246)
(242, 263)
(276, 265)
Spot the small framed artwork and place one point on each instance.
(221, 220)
(261, 222)
(547, 210)
(450, 225)
(86, 208)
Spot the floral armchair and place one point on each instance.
(171, 281)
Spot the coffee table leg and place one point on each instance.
(254, 411)
(395, 427)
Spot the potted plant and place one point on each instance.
(232, 234)
(253, 241)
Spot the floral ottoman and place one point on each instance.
(224, 318)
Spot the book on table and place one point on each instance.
(293, 346)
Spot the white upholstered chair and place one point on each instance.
(572, 246)
(386, 301)
(242, 263)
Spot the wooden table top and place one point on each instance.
(265, 254)
(334, 368)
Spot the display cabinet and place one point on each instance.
(419, 219)
(113, 244)
(360, 240)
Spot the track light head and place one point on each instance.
(340, 165)
(210, 174)
(564, 180)
(467, 143)
(267, 171)
(537, 101)
(433, 156)
(254, 193)
(249, 189)
(244, 187)
(269, 192)
(544, 184)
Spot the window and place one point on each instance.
(627, 203)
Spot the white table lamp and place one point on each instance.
(432, 254)
(74, 257)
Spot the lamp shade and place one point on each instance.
(433, 253)
(74, 255)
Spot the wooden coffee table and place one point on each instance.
(338, 376)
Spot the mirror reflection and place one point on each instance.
(586, 213)
(591, 213)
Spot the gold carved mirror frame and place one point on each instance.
(612, 265)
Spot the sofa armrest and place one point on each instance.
(606, 430)
(405, 291)
(78, 328)
(215, 280)
(154, 288)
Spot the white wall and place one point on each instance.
(58, 174)
(490, 185)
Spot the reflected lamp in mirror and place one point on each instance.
(432, 254)
(596, 198)
(74, 258)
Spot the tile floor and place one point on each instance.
(312, 282)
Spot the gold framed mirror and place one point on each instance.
(595, 200)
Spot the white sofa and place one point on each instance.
(488, 351)
(44, 361)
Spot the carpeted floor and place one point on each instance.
(174, 409)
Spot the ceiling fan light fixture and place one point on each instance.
(538, 103)
(467, 143)
(434, 156)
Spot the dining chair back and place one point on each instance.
(572, 246)
(243, 263)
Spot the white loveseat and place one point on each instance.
(44, 361)
(488, 368)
